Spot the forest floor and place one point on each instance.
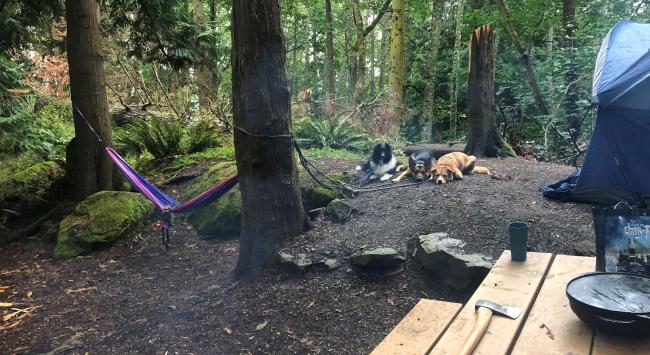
(138, 297)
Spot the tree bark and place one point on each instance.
(371, 84)
(396, 73)
(483, 138)
(436, 26)
(385, 36)
(455, 69)
(571, 71)
(525, 59)
(89, 169)
(272, 211)
(205, 84)
(330, 87)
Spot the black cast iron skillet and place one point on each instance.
(616, 303)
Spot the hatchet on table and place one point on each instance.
(485, 309)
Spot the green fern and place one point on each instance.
(333, 133)
(161, 138)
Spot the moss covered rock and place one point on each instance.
(25, 191)
(99, 221)
(221, 219)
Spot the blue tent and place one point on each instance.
(617, 164)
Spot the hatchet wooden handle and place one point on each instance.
(484, 315)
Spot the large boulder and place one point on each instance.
(99, 221)
(26, 191)
(444, 258)
(585, 248)
(221, 219)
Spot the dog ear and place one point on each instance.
(428, 165)
(412, 162)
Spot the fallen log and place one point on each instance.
(437, 150)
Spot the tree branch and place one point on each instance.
(373, 24)
(162, 87)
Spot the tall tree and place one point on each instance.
(571, 71)
(203, 77)
(272, 211)
(483, 138)
(436, 26)
(524, 57)
(396, 73)
(455, 69)
(359, 47)
(330, 87)
(88, 167)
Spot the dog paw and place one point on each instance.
(386, 177)
(358, 168)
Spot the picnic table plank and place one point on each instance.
(551, 327)
(605, 344)
(419, 329)
(509, 283)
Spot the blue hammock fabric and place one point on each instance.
(165, 203)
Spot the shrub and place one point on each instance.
(161, 138)
(202, 135)
(45, 132)
(334, 133)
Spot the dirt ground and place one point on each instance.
(138, 297)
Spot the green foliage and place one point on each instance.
(335, 133)
(202, 134)
(44, 132)
(161, 138)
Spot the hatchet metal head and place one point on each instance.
(510, 312)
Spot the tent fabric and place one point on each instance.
(616, 167)
(165, 203)
(623, 63)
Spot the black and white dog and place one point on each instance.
(381, 164)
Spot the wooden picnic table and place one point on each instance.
(546, 326)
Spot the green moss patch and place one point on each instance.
(99, 221)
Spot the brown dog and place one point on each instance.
(453, 165)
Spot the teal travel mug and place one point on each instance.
(518, 235)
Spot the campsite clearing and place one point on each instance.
(140, 298)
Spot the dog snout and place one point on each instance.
(440, 181)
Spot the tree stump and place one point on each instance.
(483, 138)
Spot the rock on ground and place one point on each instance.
(444, 258)
(380, 258)
(25, 191)
(585, 248)
(99, 221)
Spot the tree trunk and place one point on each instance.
(571, 71)
(483, 138)
(272, 211)
(396, 74)
(436, 25)
(455, 69)
(371, 82)
(525, 60)
(89, 169)
(359, 48)
(330, 88)
(385, 36)
(205, 85)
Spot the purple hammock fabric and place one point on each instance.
(166, 204)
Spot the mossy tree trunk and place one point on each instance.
(89, 169)
(574, 123)
(272, 211)
(483, 138)
(330, 87)
(396, 73)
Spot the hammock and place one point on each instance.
(165, 204)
